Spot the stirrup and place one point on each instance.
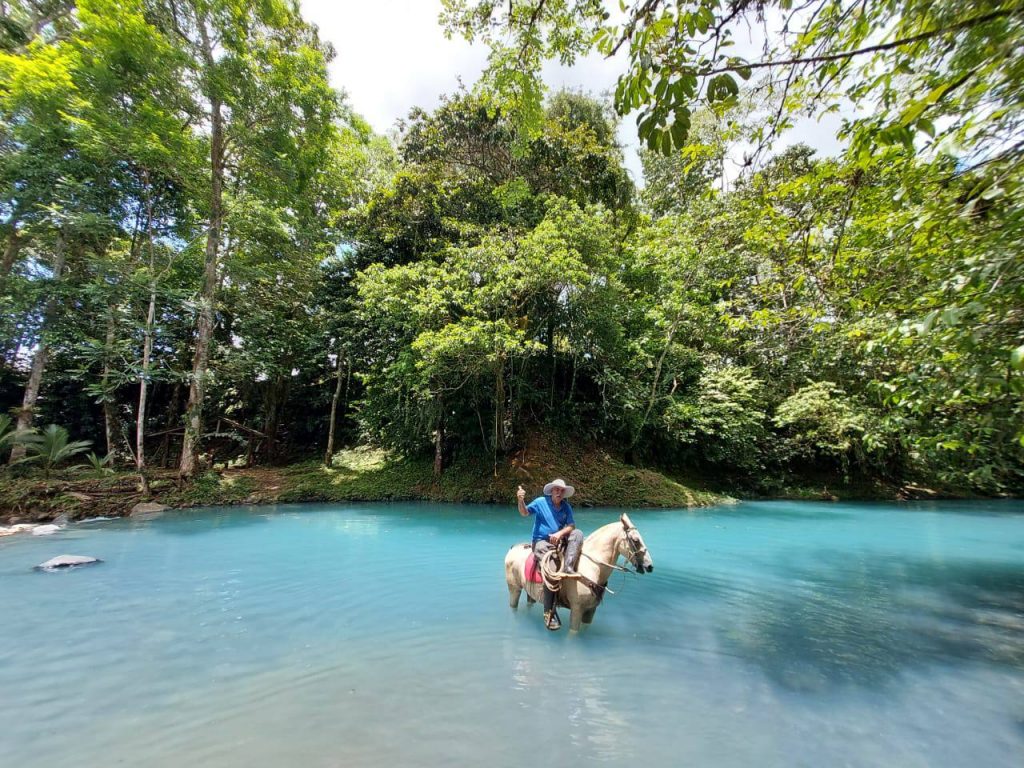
(551, 620)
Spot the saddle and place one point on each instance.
(532, 570)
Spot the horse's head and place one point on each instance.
(632, 547)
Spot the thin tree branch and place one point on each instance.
(966, 24)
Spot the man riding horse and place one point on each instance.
(553, 528)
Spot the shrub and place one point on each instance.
(724, 418)
(820, 421)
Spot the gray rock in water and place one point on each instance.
(45, 530)
(147, 510)
(67, 561)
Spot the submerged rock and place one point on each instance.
(146, 510)
(67, 561)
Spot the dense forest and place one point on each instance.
(208, 256)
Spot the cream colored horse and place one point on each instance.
(601, 551)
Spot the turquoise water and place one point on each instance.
(774, 634)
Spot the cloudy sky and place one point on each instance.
(392, 55)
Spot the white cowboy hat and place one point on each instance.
(559, 483)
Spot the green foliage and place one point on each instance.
(8, 434)
(467, 332)
(54, 446)
(100, 467)
(211, 488)
(10, 437)
(723, 418)
(371, 475)
(820, 420)
(491, 275)
(676, 181)
(917, 64)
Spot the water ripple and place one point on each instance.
(768, 635)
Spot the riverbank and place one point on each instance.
(366, 474)
(361, 474)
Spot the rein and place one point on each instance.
(613, 566)
(637, 551)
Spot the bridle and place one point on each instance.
(637, 550)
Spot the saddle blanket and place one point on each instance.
(532, 570)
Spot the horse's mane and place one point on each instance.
(602, 531)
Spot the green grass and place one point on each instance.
(209, 488)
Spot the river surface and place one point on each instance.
(769, 634)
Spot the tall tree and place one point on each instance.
(58, 191)
(260, 75)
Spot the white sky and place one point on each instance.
(392, 56)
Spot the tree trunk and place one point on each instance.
(147, 352)
(277, 396)
(329, 453)
(499, 406)
(439, 444)
(553, 362)
(14, 243)
(109, 416)
(669, 335)
(39, 359)
(172, 418)
(204, 325)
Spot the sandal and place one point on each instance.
(551, 620)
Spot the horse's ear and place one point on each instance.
(626, 522)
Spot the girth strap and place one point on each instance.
(597, 589)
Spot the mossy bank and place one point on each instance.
(361, 474)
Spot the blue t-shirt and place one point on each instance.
(547, 519)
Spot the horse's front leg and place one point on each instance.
(575, 617)
(513, 595)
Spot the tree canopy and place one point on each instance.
(208, 256)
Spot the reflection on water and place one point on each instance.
(770, 635)
(865, 624)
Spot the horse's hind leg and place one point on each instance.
(513, 595)
(588, 616)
